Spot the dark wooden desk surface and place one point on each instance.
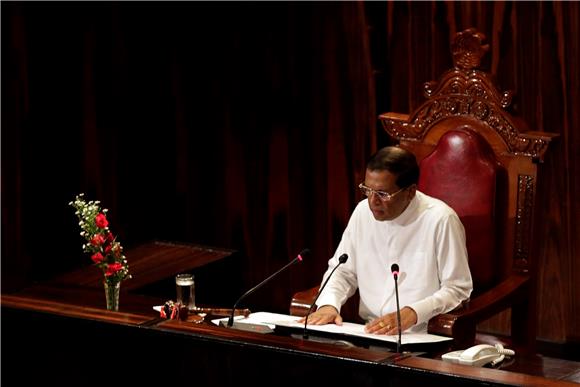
(62, 325)
(79, 304)
(150, 262)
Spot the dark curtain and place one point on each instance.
(240, 125)
(247, 125)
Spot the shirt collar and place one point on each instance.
(409, 213)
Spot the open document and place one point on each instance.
(348, 329)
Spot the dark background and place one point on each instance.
(247, 125)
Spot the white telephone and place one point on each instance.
(479, 355)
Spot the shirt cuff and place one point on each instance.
(424, 310)
(328, 300)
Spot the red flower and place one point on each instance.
(97, 257)
(101, 221)
(97, 240)
(112, 268)
(101, 243)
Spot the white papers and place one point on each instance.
(349, 329)
(253, 318)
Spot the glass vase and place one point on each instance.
(112, 295)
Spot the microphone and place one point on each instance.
(395, 271)
(342, 259)
(298, 258)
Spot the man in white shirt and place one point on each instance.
(397, 224)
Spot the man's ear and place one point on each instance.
(412, 190)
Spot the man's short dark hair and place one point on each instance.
(397, 161)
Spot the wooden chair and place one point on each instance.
(484, 163)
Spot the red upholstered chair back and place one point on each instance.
(463, 172)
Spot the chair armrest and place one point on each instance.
(301, 301)
(461, 322)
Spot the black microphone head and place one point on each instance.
(303, 254)
(343, 258)
(394, 268)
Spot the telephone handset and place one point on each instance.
(479, 355)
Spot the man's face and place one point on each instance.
(385, 181)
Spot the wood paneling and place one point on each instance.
(66, 330)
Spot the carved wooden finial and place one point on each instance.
(467, 49)
(465, 91)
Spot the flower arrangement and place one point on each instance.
(106, 252)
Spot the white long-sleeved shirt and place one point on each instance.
(427, 241)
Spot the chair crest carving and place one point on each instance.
(466, 91)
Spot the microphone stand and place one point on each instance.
(252, 290)
(398, 314)
(342, 259)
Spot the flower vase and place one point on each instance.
(112, 295)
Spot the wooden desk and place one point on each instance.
(153, 267)
(60, 334)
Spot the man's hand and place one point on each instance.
(326, 314)
(387, 324)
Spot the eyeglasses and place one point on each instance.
(384, 196)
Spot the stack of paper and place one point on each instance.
(348, 329)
